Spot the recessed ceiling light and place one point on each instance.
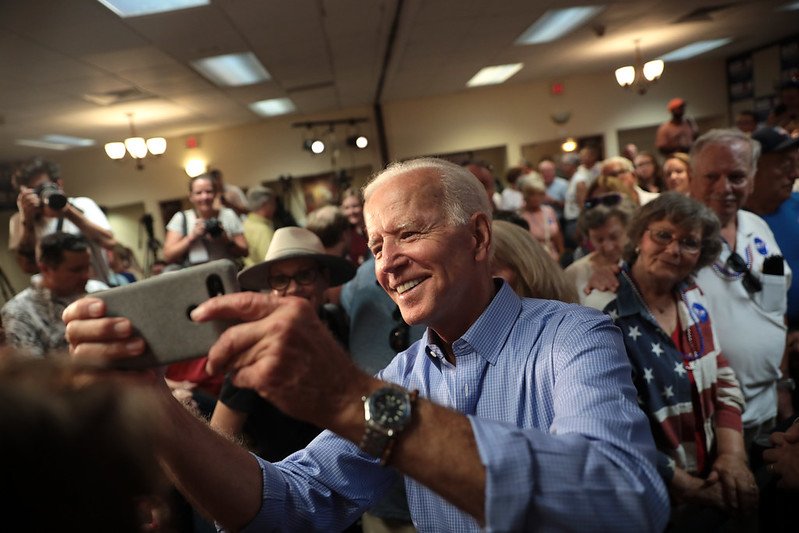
(273, 107)
(695, 49)
(56, 142)
(494, 75)
(556, 23)
(137, 8)
(232, 70)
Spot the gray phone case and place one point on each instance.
(159, 309)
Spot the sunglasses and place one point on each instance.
(281, 282)
(608, 200)
(399, 337)
(737, 264)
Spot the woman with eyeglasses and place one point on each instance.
(603, 221)
(684, 382)
(541, 218)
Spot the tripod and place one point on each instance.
(153, 244)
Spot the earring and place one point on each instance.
(637, 249)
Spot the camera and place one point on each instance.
(51, 195)
(213, 227)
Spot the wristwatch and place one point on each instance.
(387, 411)
(786, 384)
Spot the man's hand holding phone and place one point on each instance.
(280, 348)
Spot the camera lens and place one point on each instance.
(214, 285)
(56, 201)
(51, 196)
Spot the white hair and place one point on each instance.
(462, 194)
(727, 137)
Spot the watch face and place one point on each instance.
(390, 408)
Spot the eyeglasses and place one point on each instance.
(281, 282)
(737, 264)
(399, 337)
(608, 200)
(688, 245)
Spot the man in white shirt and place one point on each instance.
(747, 284)
(582, 179)
(43, 208)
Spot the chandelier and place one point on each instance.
(640, 75)
(136, 146)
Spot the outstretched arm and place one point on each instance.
(91, 230)
(228, 490)
(313, 380)
(290, 358)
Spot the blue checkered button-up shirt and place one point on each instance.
(547, 389)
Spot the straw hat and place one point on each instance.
(291, 243)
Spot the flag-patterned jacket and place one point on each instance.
(686, 392)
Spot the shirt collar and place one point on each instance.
(627, 302)
(487, 335)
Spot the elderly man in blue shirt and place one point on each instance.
(509, 414)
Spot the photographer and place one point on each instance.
(204, 233)
(43, 208)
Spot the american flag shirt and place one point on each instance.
(686, 393)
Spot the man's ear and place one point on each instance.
(481, 233)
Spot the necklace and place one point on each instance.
(641, 298)
(696, 351)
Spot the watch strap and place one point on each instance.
(379, 441)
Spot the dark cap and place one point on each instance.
(774, 140)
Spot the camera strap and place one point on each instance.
(185, 224)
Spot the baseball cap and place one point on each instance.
(774, 139)
(674, 103)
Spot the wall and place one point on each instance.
(506, 115)
(515, 115)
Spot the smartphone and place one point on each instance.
(159, 309)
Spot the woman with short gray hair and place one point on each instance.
(684, 382)
(603, 221)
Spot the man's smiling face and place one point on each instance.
(424, 263)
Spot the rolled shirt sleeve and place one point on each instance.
(547, 389)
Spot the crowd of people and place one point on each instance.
(603, 344)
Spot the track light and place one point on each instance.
(315, 146)
(317, 143)
(358, 141)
